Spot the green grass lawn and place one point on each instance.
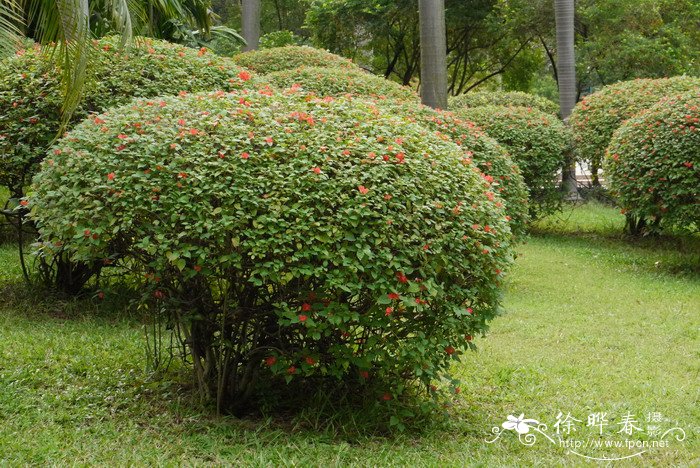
(594, 323)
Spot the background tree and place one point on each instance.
(250, 23)
(566, 71)
(433, 89)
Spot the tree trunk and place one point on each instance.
(566, 71)
(433, 47)
(250, 17)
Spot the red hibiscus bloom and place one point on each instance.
(363, 190)
(388, 311)
(317, 170)
(306, 307)
(394, 296)
(245, 155)
(244, 75)
(110, 176)
(450, 350)
(24, 203)
(310, 361)
(292, 370)
(386, 397)
(364, 374)
(303, 318)
(401, 277)
(121, 136)
(270, 361)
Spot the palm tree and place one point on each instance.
(566, 73)
(433, 49)
(250, 15)
(71, 24)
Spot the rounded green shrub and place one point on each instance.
(497, 168)
(537, 142)
(653, 165)
(31, 98)
(276, 59)
(280, 240)
(503, 98)
(337, 82)
(596, 117)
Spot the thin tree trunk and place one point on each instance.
(250, 16)
(566, 71)
(433, 46)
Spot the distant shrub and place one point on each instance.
(596, 117)
(537, 142)
(499, 172)
(653, 165)
(31, 97)
(265, 61)
(337, 82)
(279, 39)
(503, 98)
(278, 239)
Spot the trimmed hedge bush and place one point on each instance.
(337, 82)
(498, 170)
(276, 59)
(31, 97)
(503, 98)
(653, 164)
(596, 117)
(280, 240)
(537, 142)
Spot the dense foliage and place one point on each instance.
(277, 59)
(502, 98)
(498, 170)
(281, 238)
(596, 117)
(537, 142)
(653, 165)
(337, 82)
(31, 97)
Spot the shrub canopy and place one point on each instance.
(653, 165)
(337, 82)
(498, 170)
(31, 98)
(281, 238)
(536, 141)
(503, 98)
(596, 117)
(276, 59)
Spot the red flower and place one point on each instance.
(470, 310)
(193, 131)
(121, 147)
(121, 136)
(269, 140)
(386, 397)
(401, 277)
(158, 294)
(317, 170)
(87, 233)
(450, 350)
(346, 152)
(24, 203)
(426, 247)
(245, 155)
(100, 295)
(305, 307)
(98, 121)
(388, 311)
(181, 122)
(400, 157)
(292, 370)
(364, 374)
(310, 361)
(363, 190)
(387, 197)
(182, 175)
(110, 176)
(197, 268)
(457, 390)
(302, 318)
(394, 296)
(244, 75)
(468, 337)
